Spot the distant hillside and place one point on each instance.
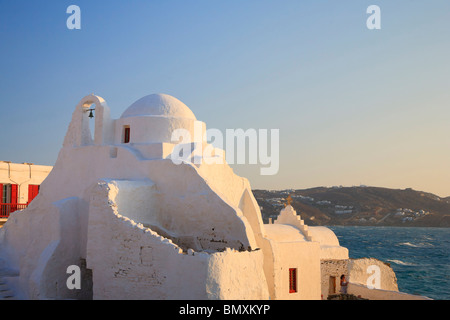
(359, 206)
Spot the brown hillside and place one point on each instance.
(360, 206)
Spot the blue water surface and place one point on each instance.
(420, 257)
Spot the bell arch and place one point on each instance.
(79, 133)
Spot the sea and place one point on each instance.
(420, 257)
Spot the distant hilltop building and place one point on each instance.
(138, 226)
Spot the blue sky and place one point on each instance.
(354, 106)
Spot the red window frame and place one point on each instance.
(292, 280)
(126, 135)
(13, 193)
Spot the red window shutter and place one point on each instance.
(1, 193)
(292, 280)
(33, 191)
(14, 194)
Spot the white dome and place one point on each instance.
(161, 105)
(325, 236)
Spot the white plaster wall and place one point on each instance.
(359, 273)
(40, 243)
(140, 264)
(222, 179)
(18, 247)
(287, 248)
(191, 207)
(329, 243)
(236, 275)
(332, 252)
(152, 129)
(186, 197)
(305, 257)
(136, 199)
(49, 277)
(154, 150)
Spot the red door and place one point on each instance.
(33, 191)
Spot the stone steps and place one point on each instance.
(289, 216)
(6, 295)
(5, 291)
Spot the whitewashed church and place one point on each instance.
(139, 226)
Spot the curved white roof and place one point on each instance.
(283, 233)
(159, 104)
(325, 236)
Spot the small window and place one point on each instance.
(126, 134)
(292, 280)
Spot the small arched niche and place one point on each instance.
(88, 124)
